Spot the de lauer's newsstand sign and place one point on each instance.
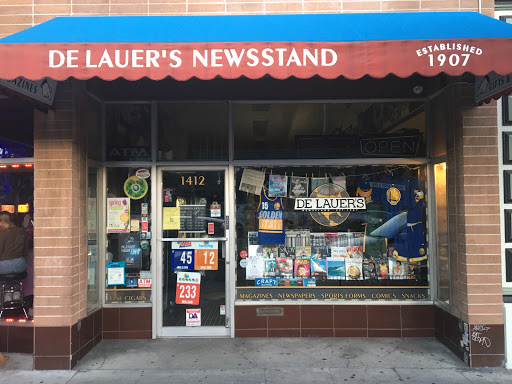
(254, 46)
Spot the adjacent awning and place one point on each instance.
(327, 45)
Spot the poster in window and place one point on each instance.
(397, 269)
(338, 251)
(336, 268)
(298, 187)
(284, 267)
(302, 268)
(131, 253)
(252, 181)
(270, 268)
(115, 273)
(318, 181)
(340, 180)
(252, 238)
(118, 215)
(255, 267)
(277, 186)
(171, 219)
(319, 269)
(354, 269)
(303, 252)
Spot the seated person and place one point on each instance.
(12, 246)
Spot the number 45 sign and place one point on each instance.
(187, 288)
(199, 256)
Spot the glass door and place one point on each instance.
(194, 250)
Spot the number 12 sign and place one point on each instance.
(187, 288)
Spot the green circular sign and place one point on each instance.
(135, 188)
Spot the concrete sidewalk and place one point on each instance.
(273, 360)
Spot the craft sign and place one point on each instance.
(187, 288)
(195, 255)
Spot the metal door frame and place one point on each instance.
(202, 331)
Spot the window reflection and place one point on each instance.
(333, 130)
(128, 128)
(443, 256)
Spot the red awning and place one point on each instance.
(330, 46)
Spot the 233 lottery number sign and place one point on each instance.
(188, 285)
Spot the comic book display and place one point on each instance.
(355, 233)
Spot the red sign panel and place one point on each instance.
(231, 60)
(187, 288)
(206, 259)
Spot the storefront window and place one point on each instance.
(92, 239)
(508, 225)
(17, 198)
(128, 254)
(92, 119)
(193, 131)
(508, 265)
(441, 118)
(17, 133)
(350, 232)
(128, 128)
(443, 255)
(332, 130)
(507, 110)
(507, 100)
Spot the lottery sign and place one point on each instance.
(187, 288)
(195, 255)
(183, 255)
(206, 256)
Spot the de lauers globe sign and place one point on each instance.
(330, 205)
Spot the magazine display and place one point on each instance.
(284, 251)
(302, 268)
(355, 252)
(270, 268)
(370, 270)
(354, 269)
(351, 230)
(319, 268)
(255, 267)
(335, 268)
(298, 187)
(303, 252)
(339, 252)
(285, 267)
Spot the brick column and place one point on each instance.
(476, 304)
(60, 244)
(480, 278)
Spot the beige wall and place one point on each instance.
(474, 213)
(60, 242)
